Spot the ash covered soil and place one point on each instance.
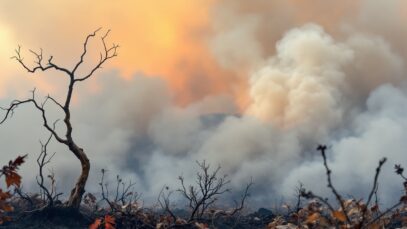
(63, 218)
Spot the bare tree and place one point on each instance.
(73, 77)
(205, 194)
(201, 197)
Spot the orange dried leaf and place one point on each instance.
(375, 226)
(4, 195)
(7, 208)
(96, 224)
(313, 218)
(109, 222)
(12, 178)
(109, 226)
(339, 215)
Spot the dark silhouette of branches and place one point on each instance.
(239, 205)
(361, 222)
(39, 106)
(403, 200)
(322, 149)
(165, 203)
(300, 189)
(105, 190)
(372, 192)
(234, 212)
(43, 159)
(67, 139)
(310, 195)
(24, 196)
(400, 171)
(125, 198)
(205, 194)
(209, 186)
(109, 52)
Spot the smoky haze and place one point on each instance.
(330, 72)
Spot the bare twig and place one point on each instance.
(382, 214)
(164, 201)
(105, 191)
(322, 149)
(43, 160)
(241, 204)
(300, 189)
(374, 189)
(310, 195)
(400, 171)
(109, 52)
(24, 196)
(125, 198)
(14, 104)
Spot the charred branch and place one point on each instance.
(322, 149)
(373, 191)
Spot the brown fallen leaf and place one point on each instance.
(339, 215)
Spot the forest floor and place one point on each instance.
(122, 209)
(62, 218)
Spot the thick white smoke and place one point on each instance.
(341, 84)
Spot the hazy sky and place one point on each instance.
(253, 86)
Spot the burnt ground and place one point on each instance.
(63, 218)
(54, 217)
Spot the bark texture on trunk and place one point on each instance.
(77, 192)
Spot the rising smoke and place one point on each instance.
(323, 73)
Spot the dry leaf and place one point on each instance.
(313, 218)
(96, 224)
(339, 215)
(4, 195)
(7, 208)
(109, 222)
(12, 178)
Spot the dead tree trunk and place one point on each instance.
(77, 192)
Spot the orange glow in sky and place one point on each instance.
(167, 39)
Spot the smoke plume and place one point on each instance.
(267, 83)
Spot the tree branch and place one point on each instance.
(85, 45)
(322, 149)
(39, 65)
(109, 52)
(374, 189)
(14, 104)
